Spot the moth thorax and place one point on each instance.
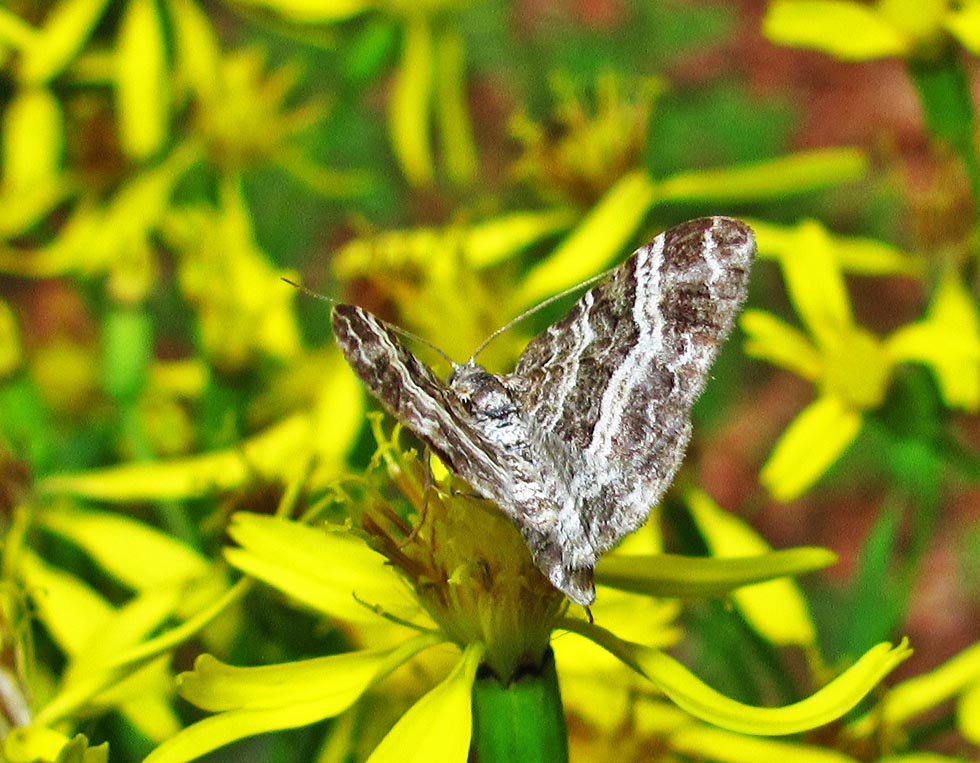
(481, 392)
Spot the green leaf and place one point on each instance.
(947, 103)
(127, 340)
(877, 601)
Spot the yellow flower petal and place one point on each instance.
(809, 445)
(854, 254)
(706, 743)
(275, 697)
(10, 351)
(857, 368)
(143, 698)
(850, 31)
(699, 699)
(21, 209)
(948, 340)
(142, 80)
(70, 609)
(104, 669)
(337, 681)
(771, 339)
(33, 743)
(438, 726)
(33, 139)
(776, 609)
(815, 283)
(773, 178)
(15, 33)
(968, 714)
(919, 20)
(337, 418)
(688, 576)
(607, 229)
(924, 692)
(136, 554)
(493, 241)
(964, 24)
(128, 626)
(197, 51)
(451, 107)
(66, 28)
(411, 103)
(594, 684)
(282, 449)
(330, 570)
(314, 11)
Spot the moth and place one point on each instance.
(581, 440)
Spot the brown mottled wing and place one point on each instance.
(611, 385)
(489, 451)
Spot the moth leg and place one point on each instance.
(426, 487)
(379, 610)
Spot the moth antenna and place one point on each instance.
(532, 310)
(391, 326)
(310, 292)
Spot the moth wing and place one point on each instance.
(614, 381)
(413, 394)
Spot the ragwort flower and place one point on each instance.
(851, 367)
(594, 164)
(460, 578)
(114, 659)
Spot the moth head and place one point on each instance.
(482, 393)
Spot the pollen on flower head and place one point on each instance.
(467, 562)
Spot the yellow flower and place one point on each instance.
(10, 350)
(428, 279)
(429, 85)
(589, 147)
(461, 578)
(850, 367)
(113, 662)
(903, 28)
(244, 313)
(958, 678)
(594, 164)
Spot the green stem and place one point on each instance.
(128, 350)
(524, 720)
(947, 107)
